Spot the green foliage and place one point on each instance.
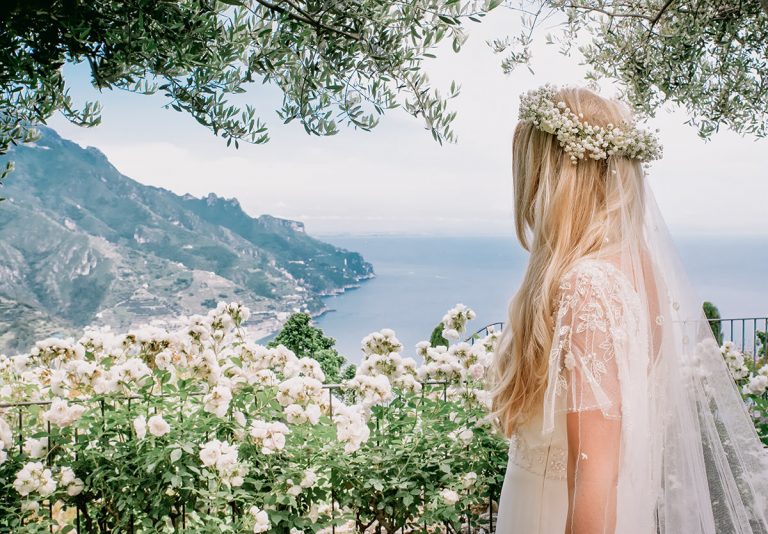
(397, 478)
(336, 63)
(151, 482)
(761, 348)
(417, 457)
(709, 56)
(437, 339)
(349, 371)
(306, 340)
(713, 314)
(60, 181)
(746, 370)
(758, 407)
(331, 363)
(300, 336)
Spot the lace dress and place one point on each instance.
(599, 363)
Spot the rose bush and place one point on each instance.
(751, 375)
(198, 428)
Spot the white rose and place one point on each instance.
(309, 479)
(449, 496)
(217, 400)
(30, 506)
(477, 371)
(261, 518)
(469, 479)
(294, 414)
(158, 426)
(61, 414)
(48, 486)
(757, 384)
(313, 413)
(140, 426)
(239, 417)
(208, 456)
(75, 488)
(6, 436)
(451, 333)
(67, 476)
(35, 448)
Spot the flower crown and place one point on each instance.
(579, 138)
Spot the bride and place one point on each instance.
(622, 415)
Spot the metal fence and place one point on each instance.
(749, 334)
(486, 330)
(84, 523)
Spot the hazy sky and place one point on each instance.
(397, 179)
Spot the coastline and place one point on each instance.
(264, 330)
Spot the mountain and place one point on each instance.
(82, 244)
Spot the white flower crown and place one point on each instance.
(579, 138)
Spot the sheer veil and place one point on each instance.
(714, 467)
(631, 341)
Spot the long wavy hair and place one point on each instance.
(563, 212)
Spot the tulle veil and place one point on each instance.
(691, 461)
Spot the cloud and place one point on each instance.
(397, 179)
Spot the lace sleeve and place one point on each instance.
(588, 352)
(589, 331)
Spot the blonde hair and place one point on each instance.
(563, 212)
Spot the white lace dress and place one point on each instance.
(599, 362)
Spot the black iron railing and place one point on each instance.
(484, 331)
(483, 524)
(749, 334)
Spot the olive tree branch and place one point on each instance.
(611, 14)
(660, 13)
(301, 16)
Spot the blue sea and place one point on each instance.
(419, 278)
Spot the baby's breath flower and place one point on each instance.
(578, 138)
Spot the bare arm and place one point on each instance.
(591, 357)
(593, 467)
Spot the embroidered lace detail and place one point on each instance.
(597, 314)
(548, 461)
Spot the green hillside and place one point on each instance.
(81, 243)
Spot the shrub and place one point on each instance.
(751, 375)
(304, 339)
(713, 315)
(437, 339)
(200, 429)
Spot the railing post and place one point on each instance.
(744, 340)
(77, 506)
(765, 344)
(48, 463)
(101, 522)
(490, 500)
(333, 480)
(21, 431)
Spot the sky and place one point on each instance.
(397, 179)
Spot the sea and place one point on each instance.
(419, 278)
